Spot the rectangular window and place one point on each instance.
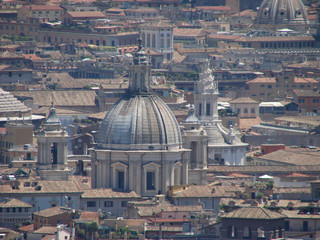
(286, 225)
(123, 203)
(208, 109)
(200, 109)
(91, 204)
(108, 203)
(316, 100)
(150, 181)
(270, 86)
(305, 226)
(301, 100)
(120, 179)
(261, 85)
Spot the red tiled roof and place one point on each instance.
(295, 174)
(263, 80)
(305, 80)
(186, 32)
(43, 7)
(27, 228)
(245, 13)
(31, 57)
(214, 8)
(238, 175)
(306, 93)
(87, 14)
(89, 216)
(168, 220)
(223, 36)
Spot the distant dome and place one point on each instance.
(283, 12)
(138, 122)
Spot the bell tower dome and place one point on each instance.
(52, 149)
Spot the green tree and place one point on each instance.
(16, 226)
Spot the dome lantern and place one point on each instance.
(140, 72)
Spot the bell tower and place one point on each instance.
(206, 95)
(52, 149)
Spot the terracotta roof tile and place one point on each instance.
(43, 7)
(14, 203)
(27, 228)
(89, 217)
(306, 93)
(186, 32)
(108, 193)
(46, 230)
(87, 14)
(305, 80)
(53, 211)
(204, 191)
(214, 8)
(291, 158)
(262, 80)
(42, 187)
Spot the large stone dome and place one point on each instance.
(139, 122)
(290, 13)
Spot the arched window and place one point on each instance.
(252, 110)
(238, 110)
(245, 110)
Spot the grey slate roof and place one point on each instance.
(8, 103)
(140, 119)
(254, 213)
(52, 118)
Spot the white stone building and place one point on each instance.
(158, 36)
